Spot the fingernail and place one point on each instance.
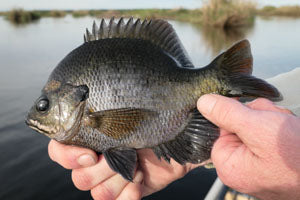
(206, 103)
(138, 177)
(86, 160)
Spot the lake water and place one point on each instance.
(28, 53)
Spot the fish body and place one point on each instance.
(132, 86)
(152, 81)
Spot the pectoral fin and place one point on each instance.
(122, 161)
(118, 123)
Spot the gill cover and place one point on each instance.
(58, 111)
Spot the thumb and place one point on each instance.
(228, 114)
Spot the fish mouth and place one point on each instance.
(37, 126)
(57, 132)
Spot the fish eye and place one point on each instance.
(42, 105)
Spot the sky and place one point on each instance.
(117, 4)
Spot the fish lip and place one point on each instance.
(60, 135)
(30, 124)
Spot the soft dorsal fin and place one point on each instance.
(236, 60)
(157, 31)
(236, 64)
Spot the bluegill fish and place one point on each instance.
(131, 86)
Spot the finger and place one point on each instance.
(236, 118)
(261, 104)
(224, 146)
(265, 104)
(71, 157)
(226, 113)
(133, 190)
(114, 186)
(110, 188)
(89, 177)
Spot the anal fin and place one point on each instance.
(193, 144)
(122, 160)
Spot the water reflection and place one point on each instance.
(218, 39)
(28, 53)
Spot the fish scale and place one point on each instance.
(131, 86)
(133, 94)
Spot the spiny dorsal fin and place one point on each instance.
(157, 31)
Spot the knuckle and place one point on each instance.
(224, 115)
(69, 161)
(81, 180)
(102, 192)
(231, 115)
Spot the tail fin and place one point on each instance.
(236, 65)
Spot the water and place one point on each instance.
(28, 53)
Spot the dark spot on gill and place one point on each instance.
(83, 92)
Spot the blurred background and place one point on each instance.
(36, 35)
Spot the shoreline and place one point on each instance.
(224, 16)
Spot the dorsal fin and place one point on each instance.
(157, 31)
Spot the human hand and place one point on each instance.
(258, 149)
(91, 172)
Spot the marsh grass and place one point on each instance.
(215, 13)
(179, 14)
(289, 11)
(57, 13)
(228, 13)
(20, 16)
(80, 13)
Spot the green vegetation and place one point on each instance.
(80, 13)
(20, 16)
(289, 11)
(174, 14)
(57, 13)
(228, 13)
(215, 13)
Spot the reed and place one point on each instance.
(228, 13)
(289, 11)
(80, 13)
(179, 14)
(57, 13)
(20, 16)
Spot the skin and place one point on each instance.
(257, 153)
